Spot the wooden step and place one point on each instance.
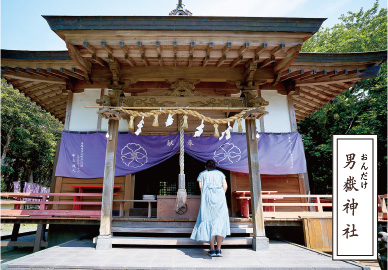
(173, 241)
(172, 230)
(168, 224)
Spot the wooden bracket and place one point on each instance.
(84, 64)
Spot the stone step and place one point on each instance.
(171, 230)
(123, 240)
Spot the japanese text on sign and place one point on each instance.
(354, 197)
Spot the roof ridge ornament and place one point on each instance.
(180, 11)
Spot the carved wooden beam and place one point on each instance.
(114, 67)
(84, 64)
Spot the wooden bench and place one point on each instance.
(124, 201)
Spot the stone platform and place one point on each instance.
(83, 255)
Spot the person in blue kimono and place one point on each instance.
(213, 218)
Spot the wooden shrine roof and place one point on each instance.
(147, 54)
(185, 23)
(319, 77)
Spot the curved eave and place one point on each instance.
(42, 76)
(185, 23)
(320, 77)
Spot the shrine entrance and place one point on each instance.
(162, 180)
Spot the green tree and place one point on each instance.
(28, 138)
(360, 110)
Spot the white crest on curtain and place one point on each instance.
(134, 155)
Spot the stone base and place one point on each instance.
(260, 243)
(104, 242)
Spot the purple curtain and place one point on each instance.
(83, 155)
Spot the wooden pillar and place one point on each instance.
(260, 242)
(40, 231)
(104, 240)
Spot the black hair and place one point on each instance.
(210, 165)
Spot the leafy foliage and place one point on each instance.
(360, 110)
(28, 138)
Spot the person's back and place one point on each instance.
(213, 216)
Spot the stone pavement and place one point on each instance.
(82, 255)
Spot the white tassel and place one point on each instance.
(130, 123)
(155, 123)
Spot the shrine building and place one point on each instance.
(146, 100)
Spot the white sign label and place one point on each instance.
(354, 197)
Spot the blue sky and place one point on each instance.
(23, 28)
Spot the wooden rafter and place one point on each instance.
(98, 60)
(325, 80)
(89, 47)
(140, 46)
(32, 88)
(320, 99)
(278, 48)
(72, 74)
(268, 61)
(84, 64)
(34, 78)
(308, 106)
(291, 55)
(315, 93)
(291, 75)
(207, 57)
(175, 49)
(225, 50)
(61, 74)
(261, 48)
(221, 61)
(126, 54)
(191, 53)
(328, 89)
(106, 47)
(159, 51)
(240, 56)
(312, 102)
